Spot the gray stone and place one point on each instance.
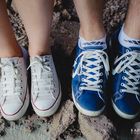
(62, 120)
(97, 128)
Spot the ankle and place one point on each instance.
(39, 52)
(92, 33)
(126, 40)
(132, 32)
(11, 51)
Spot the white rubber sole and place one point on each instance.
(50, 111)
(87, 112)
(20, 113)
(122, 114)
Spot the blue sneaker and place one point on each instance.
(90, 73)
(126, 75)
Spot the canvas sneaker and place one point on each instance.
(14, 93)
(45, 86)
(126, 75)
(90, 73)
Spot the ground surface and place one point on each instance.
(63, 39)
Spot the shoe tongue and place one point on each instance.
(42, 58)
(46, 57)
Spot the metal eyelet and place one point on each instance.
(101, 74)
(101, 80)
(120, 90)
(80, 88)
(83, 79)
(123, 78)
(122, 84)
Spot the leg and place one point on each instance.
(8, 43)
(37, 18)
(13, 73)
(90, 15)
(132, 23)
(91, 65)
(127, 66)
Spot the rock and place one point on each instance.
(62, 120)
(114, 13)
(97, 128)
(66, 14)
(2, 127)
(65, 35)
(18, 27)
(56, 18)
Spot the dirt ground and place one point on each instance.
(63, 39)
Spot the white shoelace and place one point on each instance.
(129, 60)
(100, 62)
(11, 82)
(42, 77)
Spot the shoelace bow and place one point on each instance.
(129, 60)
(12, 83)
(100, 62)
(43, 77)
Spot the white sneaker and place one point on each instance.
(45, 86)
(14, 94)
